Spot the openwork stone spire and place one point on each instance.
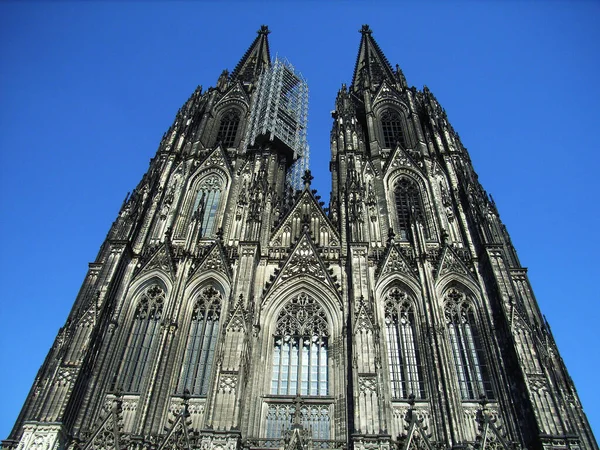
(256, 58)
(372, 67)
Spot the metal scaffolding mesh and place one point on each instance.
(281, 111)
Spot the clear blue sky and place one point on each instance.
(87, 90)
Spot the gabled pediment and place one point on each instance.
(159, 259)
(491, 438)
(235, 93)
(416, 438)
(303, 262)
(385, 93)
(306, 211)
(450, 262)
(217, 158)
(370, 169)
(215, 260)
(394, 262)
(237, 317)
(400, 158)
(178, 433)
(107, 433)
(365, 321)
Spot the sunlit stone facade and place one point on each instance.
(228, 310)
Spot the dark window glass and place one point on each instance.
(142, 336)
(467, 349)
(408, 205)
(391, 123)
(406, 373)
(230, 121)
(201, 343)
(207, 203)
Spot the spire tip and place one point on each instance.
(366, 29)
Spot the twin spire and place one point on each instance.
(256, 58)
(372, 67)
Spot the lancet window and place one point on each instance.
(409, 206)
(143, 335)
(201, 343)
(300, 349)
(406, 370)
(206, 203)
(391, 125)
(228, 127)
(467, 350)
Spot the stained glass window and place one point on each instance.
(406, 372)
(467, 350)
(408, 206)
(391, 124)
(230, 121)
(201, 343)
(143, 334)
(300, 349)
(207, 203)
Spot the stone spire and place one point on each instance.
(372, 67)
(256, 58)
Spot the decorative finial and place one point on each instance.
(264, 30)
(391, 236)
(483, 401)
(298, 402)
(366, 30)
(307, 178)
(186, 402)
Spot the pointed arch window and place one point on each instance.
(228, 127)
(404, 358)
(467, 349)
(143, 334)
(300, 349)
(409, 205)
(201, 343)
(391, 125)
(206, 203)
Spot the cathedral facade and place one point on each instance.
(227, 308)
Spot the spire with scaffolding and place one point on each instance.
(280, 116)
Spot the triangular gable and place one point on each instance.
(308, 205)
(401, 158)
(236, 93)
(106, 435)
(215, 260)
(364, 317)
(238, 317)
(217, 158)
(161, 259)
(491, 438)
(386, 92)
(178, 436)
(394, 262)
(450, 262)
(304, 261)
(416, 439)
(297, 440)
(370, 169)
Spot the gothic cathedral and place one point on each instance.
(228, 309)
